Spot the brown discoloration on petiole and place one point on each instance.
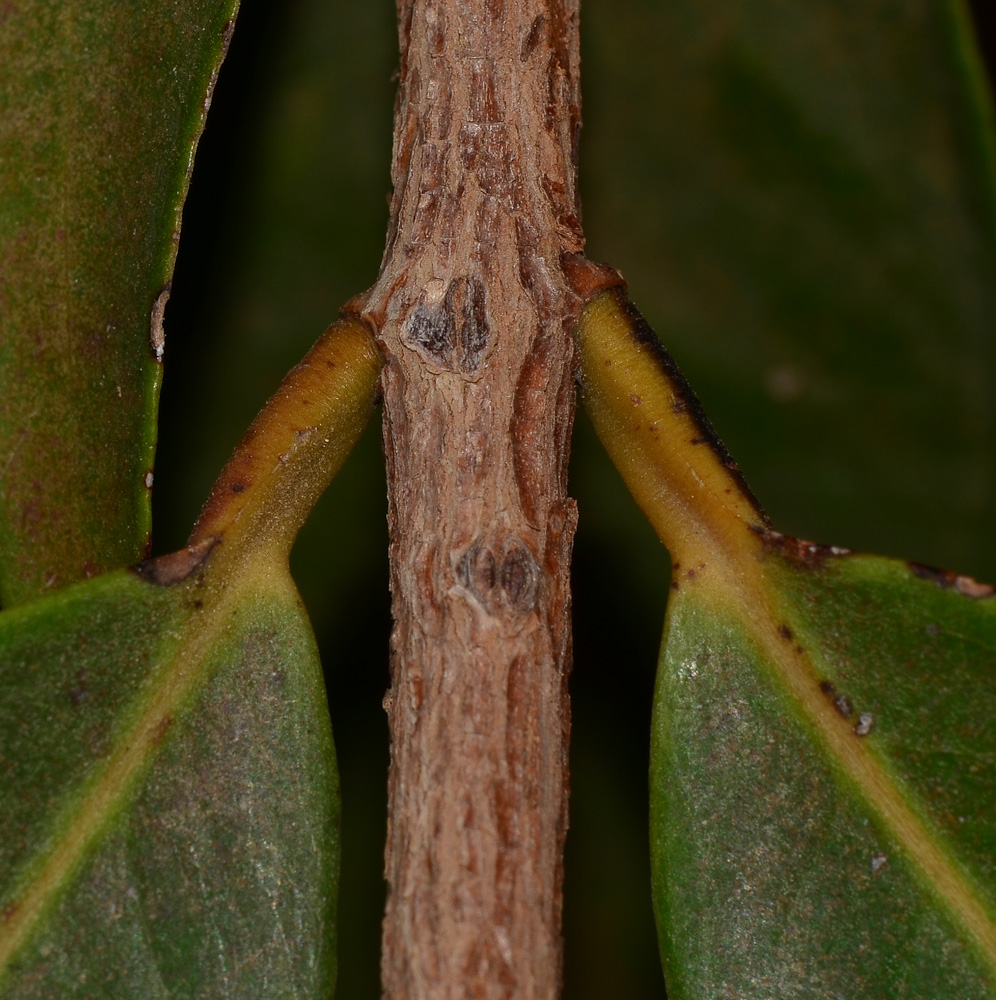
(798, 551)
(175, 567)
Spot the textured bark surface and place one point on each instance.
(474, 312)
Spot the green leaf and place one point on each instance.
(822, 779)
(794, 856)
(101, 106)
(168, 809)
(169, 823)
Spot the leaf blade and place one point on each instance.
(808, 888)
(103, 106)
(221, 842)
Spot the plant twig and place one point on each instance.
(475, 304)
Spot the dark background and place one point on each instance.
(748, 175)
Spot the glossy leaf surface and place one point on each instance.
(822, 788)
(101, 105)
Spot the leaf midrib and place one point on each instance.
(752, 594)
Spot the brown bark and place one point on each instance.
(474, 311)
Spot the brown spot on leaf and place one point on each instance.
(78, 692)
(785, 632)
(840, 702)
